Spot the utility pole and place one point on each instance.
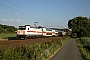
(35, 23)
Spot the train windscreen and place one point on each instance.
(22, 27)
(48, 29)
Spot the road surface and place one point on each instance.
(69, 52)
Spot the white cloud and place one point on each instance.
(16, 21)
(11, 20)
(4, 20)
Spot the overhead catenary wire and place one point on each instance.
(18, 13)
(13, 15)
(14, 9)
(24, 9)
(6, 9)
(24, 18)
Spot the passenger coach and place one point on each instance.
(27, 31)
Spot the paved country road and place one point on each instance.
(69, 52)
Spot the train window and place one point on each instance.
(28, 28)
(22, 28)
(48, 29)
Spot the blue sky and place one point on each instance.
(49, 13)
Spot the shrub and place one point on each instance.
(41, 51)
(84, 47)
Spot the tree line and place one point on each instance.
(80, 26)
(7, 29)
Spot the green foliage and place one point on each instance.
(74, 35)
(66, 30)
(7, 35)
(41, 51)
(7, 29)
(80, 26)
(84, 46)
(85, 42)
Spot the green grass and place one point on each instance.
(5, 36)
(84, 47)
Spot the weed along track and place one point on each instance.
(11, 43)
(31, 49)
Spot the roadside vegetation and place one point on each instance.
(80, 27)
(84, 47)
(41, 51)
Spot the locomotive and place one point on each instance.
(27, 31)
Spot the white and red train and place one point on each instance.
(27, 31)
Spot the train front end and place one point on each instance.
(21, 32)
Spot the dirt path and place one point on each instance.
(69, 52)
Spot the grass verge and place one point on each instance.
(84, 47)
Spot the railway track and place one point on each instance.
(12, 43)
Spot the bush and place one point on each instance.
(84, 47)
(41, 51)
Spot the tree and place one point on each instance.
(7, 29)
(66, 30)
(0, 29)
(80, 25)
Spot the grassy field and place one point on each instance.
(84, 47)
(6, 36)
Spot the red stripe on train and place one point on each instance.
(49, 33)
(31, 31)
(34, 31)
